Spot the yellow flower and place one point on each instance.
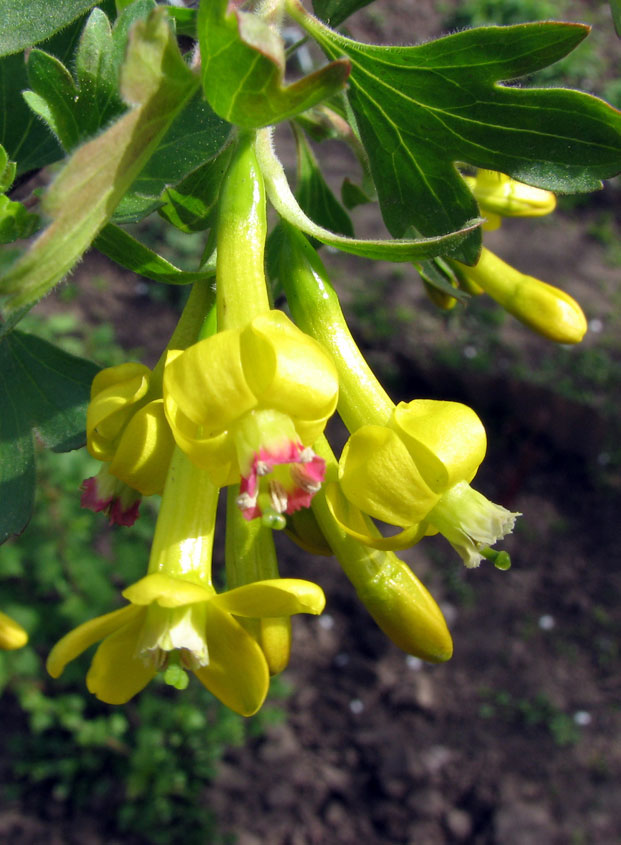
(12, 635)
(174, 616)
(546, 309)
(248, 404)
(414, 473)
(126, 427)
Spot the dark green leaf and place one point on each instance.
(15, 221)
(27, 22)
(53, 96)
(185, 20)
(243, 64)
(191, 204)
(196, 135)
(422, 109)
(43, 394)
(334, 12)
(437, 274)
(353, 195)
(130, 253)
(615, 8)
(314, 194)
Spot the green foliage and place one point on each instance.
(141, 768)
(420, 109)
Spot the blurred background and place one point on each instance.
(516, 740)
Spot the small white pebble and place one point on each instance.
(326, 621)
(470, 351)
(546, 622)
(341, 659)
(414, 663)
(596, 325)
(581, 717)
(356, 706)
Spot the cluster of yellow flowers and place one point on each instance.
(239, 400)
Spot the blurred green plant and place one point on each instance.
(537, 711)
(141, 769)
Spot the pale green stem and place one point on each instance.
(183, 541)
(241, 291)
(315, 308)
(199, 302)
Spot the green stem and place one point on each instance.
(183, 541)
(241, 291)
(315, 308)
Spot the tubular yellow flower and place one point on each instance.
(12, 635)
(248, 404)
(176, 620)
(544, 308)
(414, 473)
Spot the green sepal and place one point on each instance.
(438, 275)
(243, 63)
(334, 12)
(43, 394)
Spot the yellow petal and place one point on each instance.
(166, 591)
(216, 454)
(12, 635)
(116, 376)
(114, 394)
(144, 451)
(288, 370)
(116, 673)
(78, 640)
(354, 523)
(378, 475)
(207, 382)
(237, 673)
(274, 597)
(446, 440)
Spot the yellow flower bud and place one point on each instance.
(12, 635)
(544, 308)
(498, 194)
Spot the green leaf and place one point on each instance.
(281, 197)
(243, 63)
(15, 221)
(191, 204)
(158, 83)
(43, 394)
(334, 12)
(130, 253)
(314, 194)
(353, 195)
(53, 96)
(437, 274)
(422, 109)
(196, 135)
(27, 22)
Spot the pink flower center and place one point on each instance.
(282, 480)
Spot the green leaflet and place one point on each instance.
(243, 63)
(158, 83)
(422, 109)
(43, 394)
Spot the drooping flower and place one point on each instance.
(12, 635)
(126, 429)
(177, 619)
(247, 404)
(414, 473)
